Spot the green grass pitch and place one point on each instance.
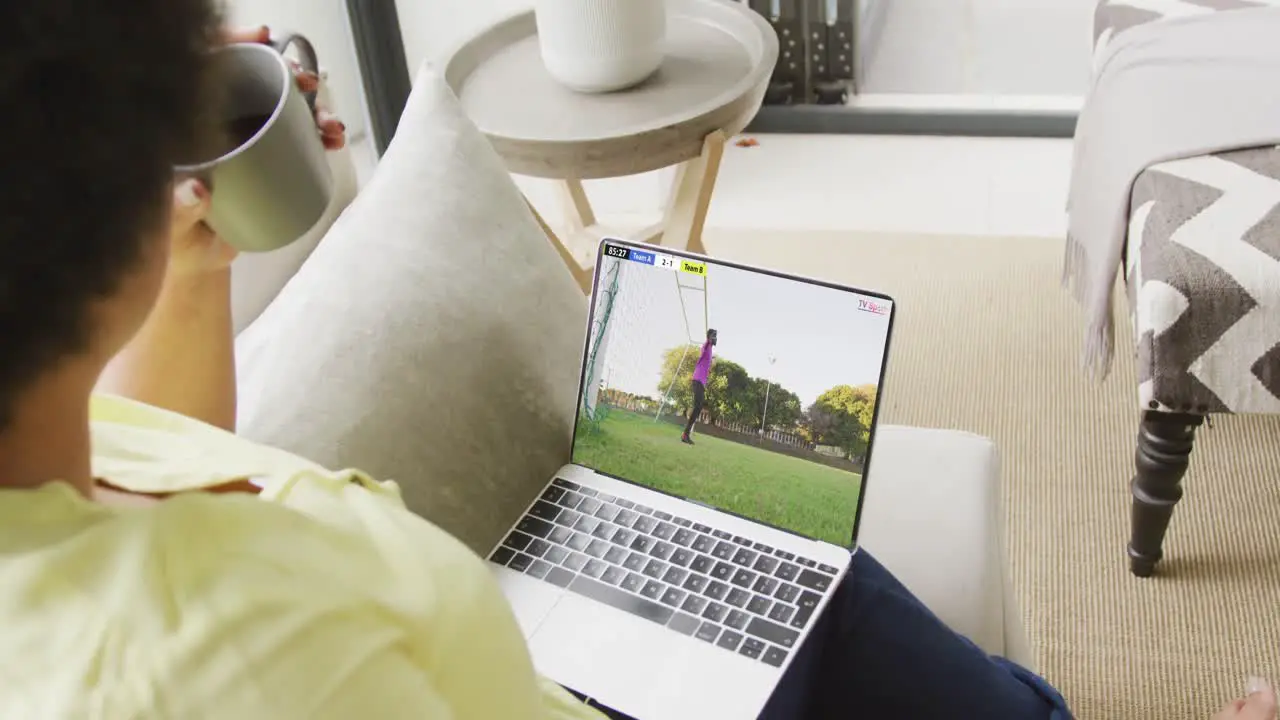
(807, 497)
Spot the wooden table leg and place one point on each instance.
(582, 276)
(583, 231)
(1164, 452)
(681, 227)
(578, 208)
(691, 196)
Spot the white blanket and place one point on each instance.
(1171, 89)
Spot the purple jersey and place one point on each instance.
(703, 368)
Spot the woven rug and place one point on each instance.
(988, 342)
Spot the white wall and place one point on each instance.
(432, 27)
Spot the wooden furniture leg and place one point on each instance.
(691, 196)
(1164, 452)
(681, 227)
(578, 208)
(582, 276)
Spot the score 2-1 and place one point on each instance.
(666, 261)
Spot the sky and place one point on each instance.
(816, 337)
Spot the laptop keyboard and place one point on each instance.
(739, 595)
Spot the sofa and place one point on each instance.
(429, 333)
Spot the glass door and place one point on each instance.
(1016, 54)
(984, 67)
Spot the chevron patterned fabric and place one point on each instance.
(1203, 272)
(1203, 259)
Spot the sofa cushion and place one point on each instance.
(933, 516)
(432, 338)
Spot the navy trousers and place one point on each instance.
(877, 652)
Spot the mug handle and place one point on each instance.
(307, 60)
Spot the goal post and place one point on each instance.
(681, 288)
(641, 313)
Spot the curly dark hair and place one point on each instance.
(100, 99)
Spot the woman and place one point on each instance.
(153, 565)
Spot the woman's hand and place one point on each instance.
(195, 248)
(1259, 703)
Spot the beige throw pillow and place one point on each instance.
(433, 338)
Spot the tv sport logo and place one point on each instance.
(871, 306)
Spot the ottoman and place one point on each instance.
(1202, 270)
(933, 516)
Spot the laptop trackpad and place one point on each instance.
(530, 599)
(643, 669)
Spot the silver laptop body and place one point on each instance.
(666, 579)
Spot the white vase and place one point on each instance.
(597, 46)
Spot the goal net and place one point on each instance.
(642, 313)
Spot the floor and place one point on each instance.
(933, 185)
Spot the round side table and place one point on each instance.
(719, 59)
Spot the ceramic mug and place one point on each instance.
(269, 177)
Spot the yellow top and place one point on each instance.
(323, 597)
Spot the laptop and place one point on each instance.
(674, 567)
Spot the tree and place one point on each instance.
(727, 385)
(842, 417)
(732, 394)
(729, 393)
(783, 406)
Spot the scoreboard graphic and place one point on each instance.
(660, 260)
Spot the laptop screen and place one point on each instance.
(744, 390)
